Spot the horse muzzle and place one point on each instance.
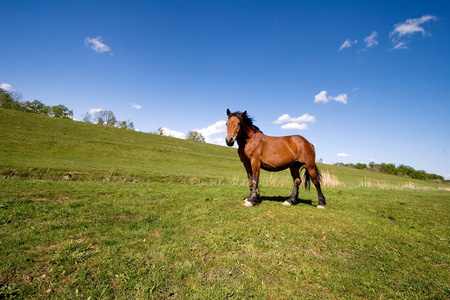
(230, 141)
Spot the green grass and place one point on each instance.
(55, 150)
(143, 216)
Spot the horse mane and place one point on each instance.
(245, 119)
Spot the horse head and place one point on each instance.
(234, 126)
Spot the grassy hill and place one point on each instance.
(88, 211)
(36, 146)
(42, 147)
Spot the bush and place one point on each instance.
(401, 170)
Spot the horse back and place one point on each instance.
(302, 149)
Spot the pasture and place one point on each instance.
(92, 212)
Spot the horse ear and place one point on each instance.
(228, 112)
(244, 114)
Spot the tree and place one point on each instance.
(361, 166)
(111, 122)
(16, 95)
(195, 136)
(388, 169)
(5, 99)
(374, 167)
(61, 111)
(105, 117)
(38, 107)
(407, 171)
(126, 125)
(123, 125)
(87, 118)
(9, 101)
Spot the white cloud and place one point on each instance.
(322, 97)
(136, 106)
(7, 87)
(172, 133)
(340, 98)
(401, 45)
(218, 128)
(216, 141)
(282, 119)
(305, 118)
(296, 126)
(403, 32)
(295, 123)
(343, 154)
(347, 44)
(95, 110)
(412, 26)
(97, 44)
(371, 40)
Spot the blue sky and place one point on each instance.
(362, 80)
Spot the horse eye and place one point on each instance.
(239, 124)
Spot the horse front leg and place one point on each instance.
(253, 198)
(253, 177)
(248, 168)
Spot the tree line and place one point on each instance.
(106, 118)
(12, 101)
(192, 135)
(392, 169)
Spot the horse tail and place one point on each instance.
(308, 178)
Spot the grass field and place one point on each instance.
(94, 212)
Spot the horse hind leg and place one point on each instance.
(314, 175)
(295, 172)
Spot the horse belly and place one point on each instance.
(275, 167)
(278, 156)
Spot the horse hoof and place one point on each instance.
(287, 203)
(248, 203)
(321, 206)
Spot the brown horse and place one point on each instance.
(257, 150)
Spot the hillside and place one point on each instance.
(41, 147)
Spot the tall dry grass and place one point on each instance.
(330, 180)
(284, 180)
(386, 185)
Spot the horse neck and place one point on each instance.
(248, 133)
